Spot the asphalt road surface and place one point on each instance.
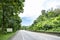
(27, 35)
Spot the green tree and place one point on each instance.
(9, 10)
(49, 20)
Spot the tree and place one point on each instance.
(9, 9)
(48, 21)
(43, 12)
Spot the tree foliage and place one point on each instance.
(9, 11)
(48, 21)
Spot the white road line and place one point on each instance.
(22, 35)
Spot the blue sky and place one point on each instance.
(26, 20)
(32, 9)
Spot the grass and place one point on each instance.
(5, 36)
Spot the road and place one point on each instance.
(27, 35)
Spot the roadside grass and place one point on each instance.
(6, 36)
(54, 31)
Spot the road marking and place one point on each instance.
(22, 34)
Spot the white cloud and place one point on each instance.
(51, 4)
(32, 8)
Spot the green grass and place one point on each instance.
(5, 36)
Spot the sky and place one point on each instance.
(32, 9)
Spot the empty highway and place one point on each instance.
(27, 35)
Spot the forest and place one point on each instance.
(48, 21)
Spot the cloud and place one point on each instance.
(32, 8)
(51, 4)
